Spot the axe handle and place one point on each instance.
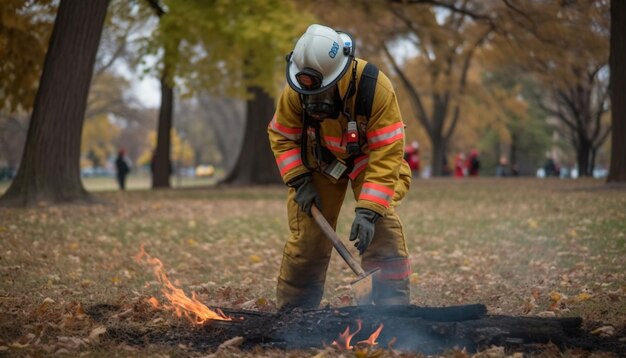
(334, 238)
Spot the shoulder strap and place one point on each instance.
(365, 93)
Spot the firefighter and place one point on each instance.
(321, 147)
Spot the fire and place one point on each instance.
(343, 342)
(372, 339)
(180, 303)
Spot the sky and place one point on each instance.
(147, 90)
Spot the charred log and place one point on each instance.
(411, 328)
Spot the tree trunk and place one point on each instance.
(439, 164)
(161, 162)
(513, 153)
(256, 164)
(50, 165)
(583, 154)
(617, 63)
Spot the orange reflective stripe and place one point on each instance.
(385, 135)
(287, 132)
(334, 144)
(377, 193)
(360, 164)
(390, 270)
(289, 160)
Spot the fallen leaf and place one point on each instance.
(414, 278)
(604, 331)
(555, 296)
(44, 306)
(94, 335)
(233, 342)
(255, 259)
(536, 293)
(546, 314)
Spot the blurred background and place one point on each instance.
(520, 87)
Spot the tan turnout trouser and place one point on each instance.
(307, 252)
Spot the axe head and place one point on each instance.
(362, 288)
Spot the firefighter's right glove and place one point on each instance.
(306, 195)
(363, 228)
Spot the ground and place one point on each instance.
(519, 246)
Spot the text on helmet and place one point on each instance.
(333, 50)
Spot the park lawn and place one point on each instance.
(519, 246)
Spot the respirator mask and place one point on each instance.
(319, 106)
(325, 105)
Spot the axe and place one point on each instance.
(362, 286)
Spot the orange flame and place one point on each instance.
(343, 342)
(372, 339)
(154, 302)
(194, 310)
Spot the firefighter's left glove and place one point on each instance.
(363, 228)
(306, 195)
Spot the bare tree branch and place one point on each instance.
(156, 6)
(449, 6)
(415, 96)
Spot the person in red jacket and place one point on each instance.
(459, 166)
(412, 157)
(473, 163)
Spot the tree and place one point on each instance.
(447, 48)
(569, 56)
(443, 37)
(223, 48)
(49, 169)
(98, 138)
(161, 163)
(617, 171)
(214, 128)
(256, 164)
(25, 28)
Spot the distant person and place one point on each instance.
(514, 170)
(459, 166)
(551, 169)
(412, 156)
(501, 170)
(473, 163)
(123, 168)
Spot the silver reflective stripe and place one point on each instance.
(290, 159)
(377, 193)
(385, 136)
(360, 164)
(274, 126)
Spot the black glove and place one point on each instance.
(306, 194)
(363, 228)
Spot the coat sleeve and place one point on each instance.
(385, 142)
(285, 133)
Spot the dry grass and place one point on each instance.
(519, 246)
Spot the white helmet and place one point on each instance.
(320, 58)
